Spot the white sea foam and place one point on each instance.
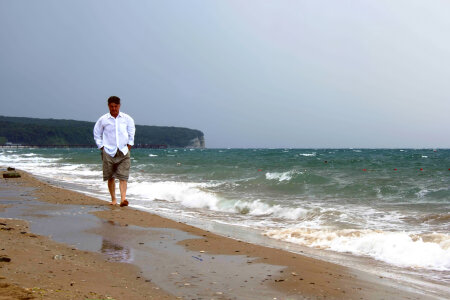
(51, 168)
(153, 155)
(68, 167)
(25, 160)
(259, 208)
(188, 194)
(29, 154)
(34, 164)
(308, 154)
(403, 249)
(282, 176)
(196, 195)
(422, 193)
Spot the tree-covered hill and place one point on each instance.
(32, 131)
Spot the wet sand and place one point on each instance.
(67, 245)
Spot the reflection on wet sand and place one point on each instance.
(115, 252)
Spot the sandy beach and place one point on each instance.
(61, 244)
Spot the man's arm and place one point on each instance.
(131, 128)
(98, 134)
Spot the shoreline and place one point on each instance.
(278, 272)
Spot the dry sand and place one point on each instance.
(45, 269)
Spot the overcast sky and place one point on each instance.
(247, 73)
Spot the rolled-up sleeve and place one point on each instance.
(98, 133)
(131, 128)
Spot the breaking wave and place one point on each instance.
(428, 251)
(198, 196)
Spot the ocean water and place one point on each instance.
(387, 205)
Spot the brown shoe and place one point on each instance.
(124, 203)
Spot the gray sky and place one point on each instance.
(249, 73)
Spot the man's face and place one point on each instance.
(114, 109)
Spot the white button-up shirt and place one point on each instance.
(114, 133)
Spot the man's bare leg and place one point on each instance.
(112, 190)
(123, 190)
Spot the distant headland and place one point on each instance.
(47, 132)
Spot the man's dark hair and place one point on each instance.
(114, 99)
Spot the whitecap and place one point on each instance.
(308, 154)
(282, 176)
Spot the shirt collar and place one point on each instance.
(119, 115)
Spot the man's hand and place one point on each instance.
(129, 147)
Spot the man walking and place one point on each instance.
(114, 136)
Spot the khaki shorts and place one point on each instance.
(116, 167)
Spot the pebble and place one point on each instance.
(5, 259)
(11, 174)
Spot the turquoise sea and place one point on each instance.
(388, 206)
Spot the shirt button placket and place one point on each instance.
(117, 131)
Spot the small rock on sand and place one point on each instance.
(5, 259)
(11, 175)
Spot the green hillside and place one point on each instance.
(32, 131)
